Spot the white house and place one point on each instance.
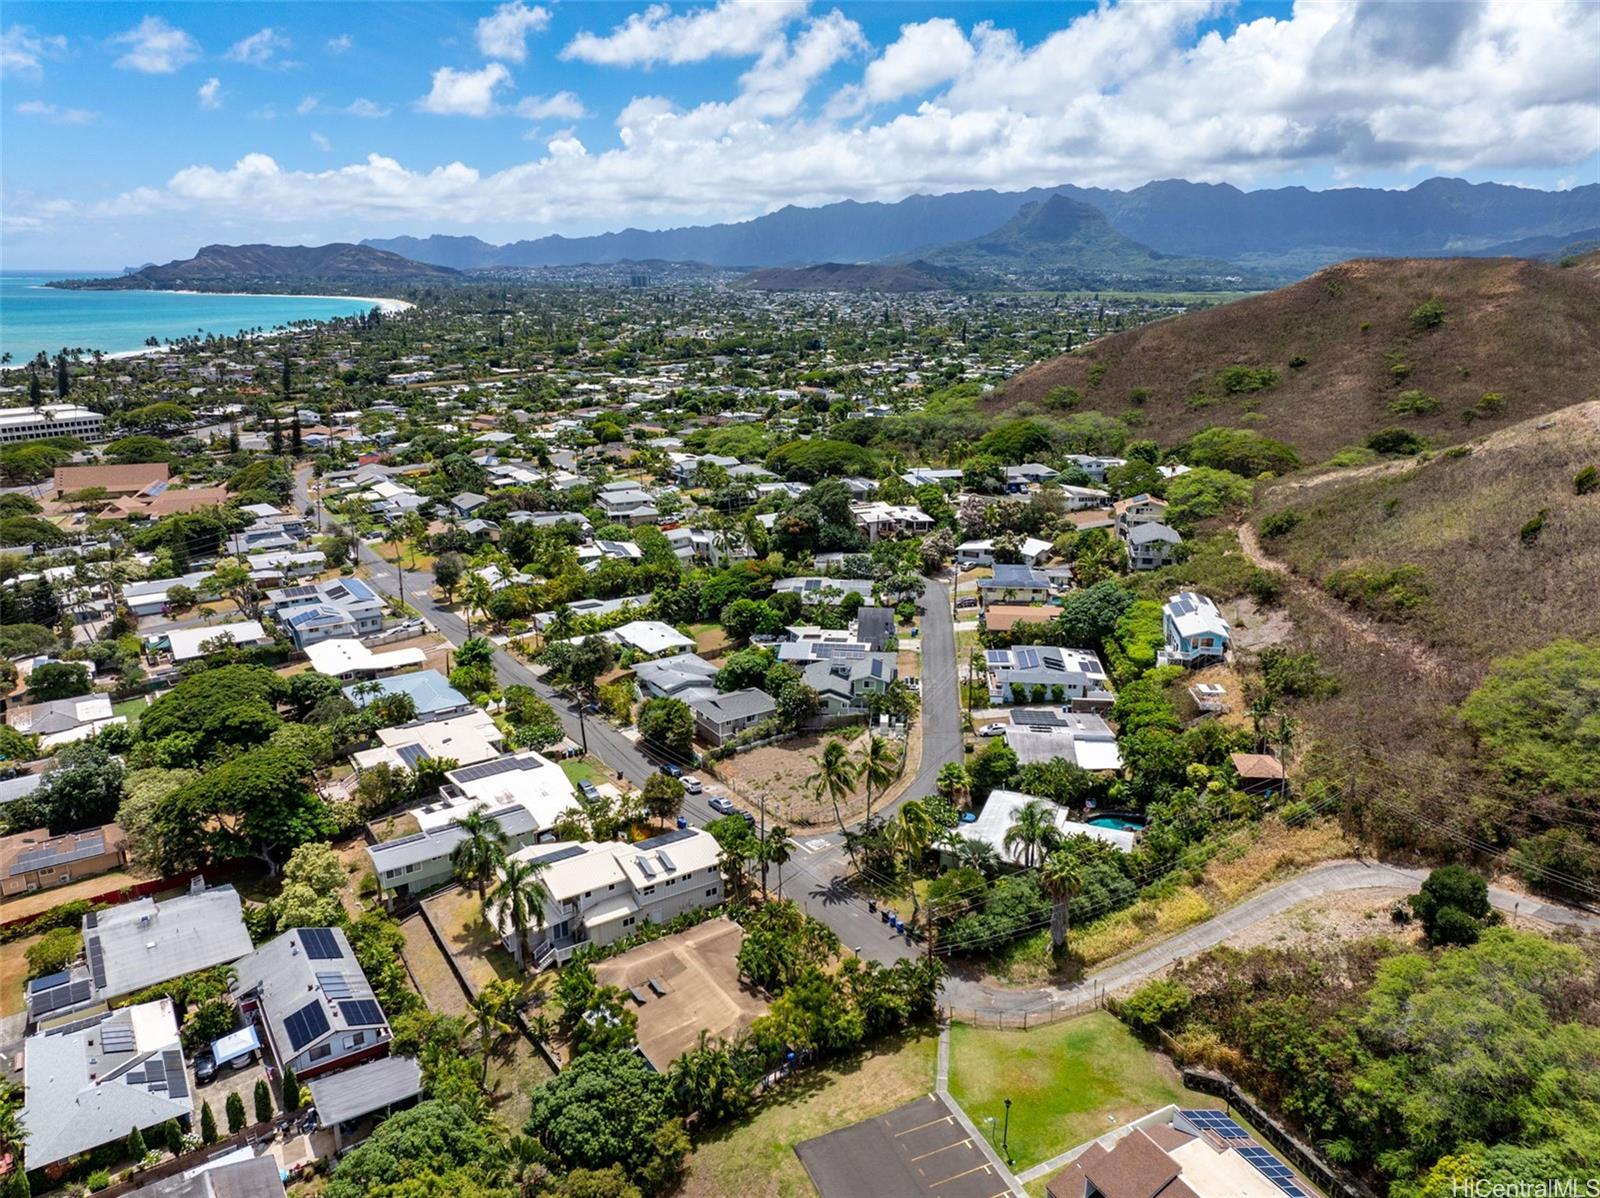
(1151, 546)
(1195, 630)
(525, 779)
(1136, 510)
(1064, 674)
(466, 739)
(1000, 812)
(981, 552)
(881, 521)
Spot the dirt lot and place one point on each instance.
(782, 771)
(1255, 627)
(700, 972)
(472, 942)
(430, 971)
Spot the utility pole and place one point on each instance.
(583, 728)
(762, 795)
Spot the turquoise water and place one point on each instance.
(1115, 821)
(34, 317)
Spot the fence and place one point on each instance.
(137, 890)
(257, 1133)
(1034, 1016)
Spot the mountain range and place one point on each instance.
(272, 267)
(1286, 232)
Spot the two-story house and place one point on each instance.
(1014, 584)
(844, 685)
(341, 607)
(1195, 631)
(718, 718)
(1151, 546)
(1042, 673)
(1128, 514)
(884, 521)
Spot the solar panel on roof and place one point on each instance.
(177, 1079)
(97, 962)
(488, 769)
(362, 1012)
(49, 982)
(646, 868)
(305, 1025)
(155, 1074)
(58, 997)
(334, 985)
(412, 755)
(320, 944)
(1273, 1170)
(117, 1038)
(665, 860)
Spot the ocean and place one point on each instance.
(34, 317)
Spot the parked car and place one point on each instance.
(671, 770)
(205, 1066)
(589, 789)
(992, 730)
(720, 804)
(691, 784)
(967, 601)
(747, 817)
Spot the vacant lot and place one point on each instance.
(755, 1157)
(431, 971)
(472, 942)
(1068, 1082)
(699, 969)
(783, 772)
(14, 974)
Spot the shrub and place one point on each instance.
(1385, 590)
(1157, 1003)
(1413, 403)
(1278, 524)
(54, 952)
(98, 1180)
(1400, 441)
(1241, 380)
(1586, 481)
(1427, 315)
(235, 1109)
(208, 1124)
(1453, 905)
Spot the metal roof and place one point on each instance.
(351, 1093)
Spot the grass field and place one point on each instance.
(14, 974)
(1068, 1082)
(582, 770)
(131, 710)
(755, 1158)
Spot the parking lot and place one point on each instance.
(920, 1150)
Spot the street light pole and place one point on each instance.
(1005, 1137)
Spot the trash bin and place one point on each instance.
(872, 906)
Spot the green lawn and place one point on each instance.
(1068, 1082)
(132, 709)
(579, 769)
(755, 1158)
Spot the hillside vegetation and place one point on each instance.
(269, 265)
(1443, 347)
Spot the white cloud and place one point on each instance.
(504, 33)
(321, 142)
(210, 93)
(465, 93)
(563, 106)
(56, 116)
(307, 105)
(259, 49)
(924, 56)
(363, 107)
(155, 48)
(732, 29)
(1116, 97)
(338, 45)
(24, 52)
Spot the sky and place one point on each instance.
(138, 132)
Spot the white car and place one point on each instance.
(691, 784)
(992, 730)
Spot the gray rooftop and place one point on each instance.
(351, 1093)
(255, 1178)
(145, 942)
(301, 968)
(420, 847)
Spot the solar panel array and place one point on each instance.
(151, 1073)
(320, 944)
(87, 845)
(49, 982)
(1274, 1170)
(666, 838)
(177, 1079)
(1220, 1126)
(489, 769)
(117, 1037)
(58, 998)
(362, 1012)
(334, 985)
(413, 754)
(97, 962)
(306, 1025)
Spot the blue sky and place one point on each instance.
(137, 132)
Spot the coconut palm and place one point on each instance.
(1260, 709)
(1033, 831)
(876, 766)
(911, 832)
(519, 900)
(493, 1008)
(474, 597)
(777, 852)
(1061, 878)
(833, 779)
(481, 851)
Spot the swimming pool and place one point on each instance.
(1120, 823)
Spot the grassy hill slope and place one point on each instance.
(1358, 347)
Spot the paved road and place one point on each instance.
(1328, 878)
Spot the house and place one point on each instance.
(90, 1084)
(1196, 633)
(158, 501)
(883, 521)
(415, 864)
(681, 676)
(551, 519)
(1175, 1153)
(285, 565)
(600, 893)
(186, 644)
(245, 1177)
(1003, 617)
(627, 503)
(1000, 812)
(429, 690)
(1042, 673)
(1014, 584)
(918, 475)
(844, 685)
(651, 638)
(114, 480)
(713, 547)
(347, 658)
(526, 779)
(1028, 476)
(1094, 467)
(815, 589)
(807, 643)
(1151, 546)
(590, 556)
(1082, 499)
(149, 598)
(685, 465)
(466, 739)
(467, 503)
(874, 627)
(306, 991)
(341, 607)
(1034, 552)
(1051, 734)
(719, 718)
(1128, 514)
(63, 721)
(36, 860)
(1259, 773)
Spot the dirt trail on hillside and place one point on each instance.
(1386, 637)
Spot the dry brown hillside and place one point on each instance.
(1365, 345)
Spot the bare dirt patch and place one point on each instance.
(782, 771)
(430, 971)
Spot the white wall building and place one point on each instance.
(50, 420)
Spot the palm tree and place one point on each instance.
(474, 597)
(492, 1008)
(834, 778)
(1261, 708)
(1284, 734)
(1061, 878)
(777, 852)
(1033, 831)
(481, 852)
(521, 897)
(911, 833)
(876, 766)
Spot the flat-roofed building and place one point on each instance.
(50, 420)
